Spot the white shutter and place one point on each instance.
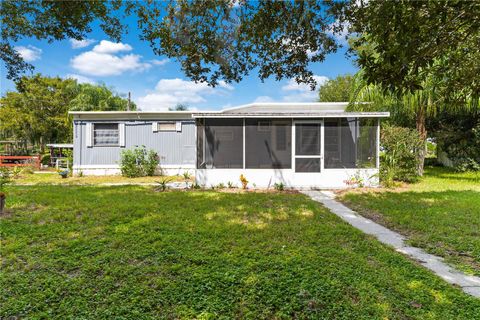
(155, 126)
(121, 134)
(89, 134)
(178, 126)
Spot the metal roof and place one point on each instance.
(325, 114)
(253, 110)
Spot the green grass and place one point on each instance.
(440, 214)
(127, 252)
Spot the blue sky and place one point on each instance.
(156, 82)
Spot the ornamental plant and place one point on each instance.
(138, 162)
(244, 181)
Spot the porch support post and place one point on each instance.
(378, 144)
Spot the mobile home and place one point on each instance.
(302, 145)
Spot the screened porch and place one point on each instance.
(295, 144)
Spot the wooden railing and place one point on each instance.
(20, 161)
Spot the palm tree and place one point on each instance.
(410, 106)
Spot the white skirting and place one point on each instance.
(108, 170)
(266, 178)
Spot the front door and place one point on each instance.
(308, 146)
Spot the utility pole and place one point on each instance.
(128, 101)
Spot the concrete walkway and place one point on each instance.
(469, 284)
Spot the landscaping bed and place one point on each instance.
(55, 178)
(130, 252)
(441, 214)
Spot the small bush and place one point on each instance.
(230, 185)
(138, 162)
(16, 172)
(45, 159)
(279, 186)
(400, 158)
(186, 175)
(162, 185)
(5, 177)
(150, 163)
(221, 185)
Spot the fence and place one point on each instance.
(20, 161)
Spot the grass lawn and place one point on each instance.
(91, 252)
(55, 178)
(440, 214)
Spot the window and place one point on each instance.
(307, 146)
(268, 149)
(220, 143)
(167, 126)
(350, 143)
(105, 134)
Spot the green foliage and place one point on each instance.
(53, 20)
(134, 253)
(179, 107)
(230, 185)
(98, 98)
(439, 214)
(448, 32)
(279, 186)
(162, 184)
(339, 89)
(221, 185)
(46, 158)
(38, 111)
(186, 175)
(459, 137)
(5, 177)
(138, 162)
(16, 172)
(214, 40)
(399, 160)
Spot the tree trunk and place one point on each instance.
(422, 131)
(2, 202)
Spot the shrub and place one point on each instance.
(279, 186)
(186, 175)
(16, 172)
(5, 178)
(151, 163)
(230, 185)
(45, 159)
(221, 185)
(138, 162)
(400, 158)
(462, 146)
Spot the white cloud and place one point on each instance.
(169, 92)
(77, 44)
(29, 53)
(105, 60)
(80, 78)
(302, 92)
(101, 64)
(106, 46)
(161, 62)
(264, 99)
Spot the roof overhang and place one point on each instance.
(130, 115)
(294, 115)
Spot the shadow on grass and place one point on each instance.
(130, 252)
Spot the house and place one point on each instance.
(301, 145)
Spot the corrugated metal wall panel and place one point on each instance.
(174, 148)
